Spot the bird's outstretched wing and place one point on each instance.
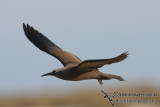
(89, 65)
(44, 44)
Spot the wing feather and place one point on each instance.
(89, 65)
(44, 44)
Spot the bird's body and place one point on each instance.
(74, 68)
(70, 74)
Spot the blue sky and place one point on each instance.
(90, 29)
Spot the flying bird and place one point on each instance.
(74, 68)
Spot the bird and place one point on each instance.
(74, 69)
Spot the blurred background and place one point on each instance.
(90, 29)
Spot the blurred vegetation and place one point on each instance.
(83, 98)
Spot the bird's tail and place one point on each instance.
(104, 76)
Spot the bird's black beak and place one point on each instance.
(50, 73)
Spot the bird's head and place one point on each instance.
(50, 73)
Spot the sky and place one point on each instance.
(90, 29)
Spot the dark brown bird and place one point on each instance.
(74, 68)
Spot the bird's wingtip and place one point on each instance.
(23, 24)
(127, 53)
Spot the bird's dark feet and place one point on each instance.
(100, 82)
